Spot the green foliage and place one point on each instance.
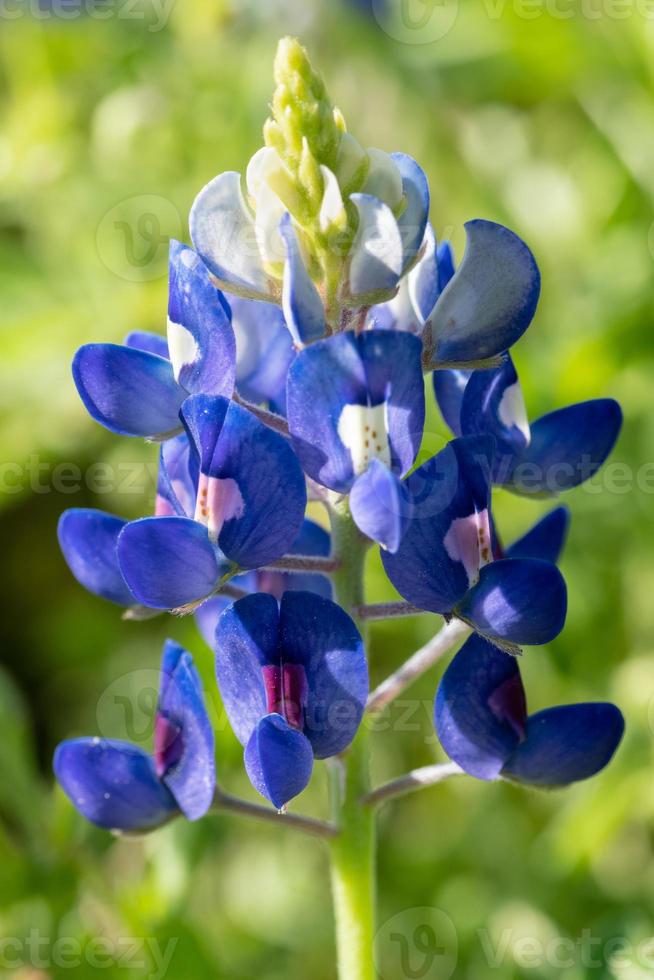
(542, 124)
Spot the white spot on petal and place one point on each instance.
(218, 501)
(512, 410)
(468, 541)
(363, 429)
(182, 347)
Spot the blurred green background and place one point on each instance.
(540, 116)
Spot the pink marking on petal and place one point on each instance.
(162, 507)
(509, 705)
(217, 501)
(468, 540)
(168, 745)
(286, 692)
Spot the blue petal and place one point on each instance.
(480, 711)
(153, 343)
(447, 538)
(336, 375)
(522, 600)
(127, 390)
(415, 297)
(265, 506)
(222, 230)
(449, 388)
(246, 639)
(321, 636)
(278, 760)
(303, 309)
(376, 257)
(545, 539)
(380, 505)
(491, 299)
(445, 260)
(566, 744)
(192, 778)
(413, 220)
(492, 403)
(88, 540)
(200, 336)
(168, 562)
(177, 479)
(264, 351)
(567, 447)
(112, 783)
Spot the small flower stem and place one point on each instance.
(304, 563)
(273, 421)
(416, 779)
(353, 851)
(388, 610)
(223, 801)
(417, 664)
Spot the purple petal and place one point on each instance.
(191, 779)
(491, 299)
(566, 744)
(168, 562)
(127, 390)
(177, 479)
(222, 230)
(255, 490)
(376, 256)
(278, 760)
(522, 600)
(449, 388)
(246, 640)
(445, 260)
(340, 386)
(447, 539)
(264, 351)
(88, 540)
(413, 219)
(567, 447)
(493, 404)
(113, 784)
(303, 309)
(153, 343)
(320, 636)
(200, 336)
(480, 711)
(545, 540)
(380, 505)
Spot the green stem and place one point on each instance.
(353, 851)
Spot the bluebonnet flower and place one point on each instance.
(445, 561)
(558, 451)
(119, 786)
(135, 389)
(482, 722)
(237, 496)
(356, 413)
(312, 541)
(294, 680)
(475, 312)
